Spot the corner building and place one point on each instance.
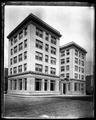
(33, 58)
(72, 69)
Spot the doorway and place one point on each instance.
(64, 88)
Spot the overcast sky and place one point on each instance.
(74, 23)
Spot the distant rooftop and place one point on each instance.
(37, 20)
(72, 44)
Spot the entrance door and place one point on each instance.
(64, 88)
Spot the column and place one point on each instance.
(48, 85)
(28, 84)
(57, 85)
(13, 84)
(32, 84)
(42, 85)
(23, 84)
(17, 87)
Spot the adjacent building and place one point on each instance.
(33, 66)
(72, 69)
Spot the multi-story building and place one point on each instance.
(33, 64)
(72, 69)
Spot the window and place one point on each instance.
(15, 59)
(46, 47)
(82, 63)
(46, 36)
(10, 71)
(25, 31)
(75, 86)
(25, 79)
(20, 57)
(45, 85)
(15, 49)
(82, 56)
(15, 84)
(21, 46)
(39, 32)
(76, 75)
(69, 86)
(79, 61)
(20, 84)
(67, 52)
(19, 68)
(39, 44)
(62, 68)
(76, 68)
(53, 71)
(11, 41)
(79, 76)
(53, 61)
(25, 43)
(46, 58)
(38, 84)
(25, 55)
(62, 75)
(53, 40)
(11, 51)
(67, 75)
(67, 67)
(52, 85)
(38, 67)
(15, 70)
(62, 53)
(62, 61)
(82, 77)
(82, 70)
(20, 35)
(11, 61)
(38, 56)
(15, 39)
(25, 67)
(46, 69)
(53, 50)
(76, 52)
(10, 84)
(76, 60)
(67, 60)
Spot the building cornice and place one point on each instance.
(36, 20)
(31, 72)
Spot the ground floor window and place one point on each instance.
(52, 85)
(25, 83)
(20, 84)
(10, 84)
(45, 85)
(15, 84)
(75, 86)
(38, 84)
(69, 86)
(82, 87)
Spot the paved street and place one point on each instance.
(47, 107)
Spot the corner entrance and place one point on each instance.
(64, 88)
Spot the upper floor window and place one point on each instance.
(46, 69)
(53, 40)
(53, 60)
(15, 70)
(20, 35)
(11, 51)
(76, 60)
(15, 59)
(25, 31)
(39, 32)
(82, 70)
(19, 68)
(82, 56)
(76, 52)
(76, 68)
(39, 56)
(15, 49)
(53, 71)
(46, 36)
(15, 39)
(21, 46)
(79, 69)
(10, 71)
(46, 58)
(53, 50)
(67, 52)
(82, 63)
(11, 61)
(67, 60)
(25, 43)
(62, 61)
(82, 77)
(46, 47)
(11, 41)
(79, 62)
(25, 67)
(62, 53)
(62, 68)
(76, 75)
(67, 75)
(67, 67)
(25, 55)
(39, 44)
(20, 57)
(38, 67)
(62, 75)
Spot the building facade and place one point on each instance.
(33, 58)
(72, 69)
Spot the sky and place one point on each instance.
(75, 23)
